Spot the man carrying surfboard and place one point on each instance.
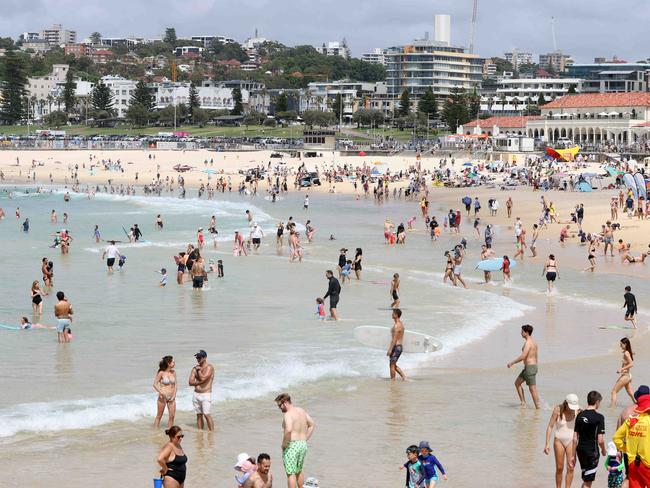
(395, 347)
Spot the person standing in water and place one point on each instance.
(395, 347)
(625, 378)
(333, 291)
(394, 291)
(111, 253)
(297, 427)
(630, 306)
(551, 272)
(529, 357)
(63, 313)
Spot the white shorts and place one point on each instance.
(202, 403)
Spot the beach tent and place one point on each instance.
(584, 186)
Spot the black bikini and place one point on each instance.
(177, 468)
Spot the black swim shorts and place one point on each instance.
(395, 353)
(197, 282)
(588, 463)
(334, 301)
(110, 262)
(257, 240)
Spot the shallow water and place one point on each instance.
(258, 324)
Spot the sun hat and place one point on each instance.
(611, 449)
(424, 445)
(241, 459)
(572, 401)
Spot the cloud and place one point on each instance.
(584, 28)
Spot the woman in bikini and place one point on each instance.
(165, 385)
(591, 256)
(625, 378)
(551, 272)
(562, 423)
(449, 269)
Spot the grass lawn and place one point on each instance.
(209, 131)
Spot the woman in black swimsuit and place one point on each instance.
(37, 298)
(358, 256)
(172, 459)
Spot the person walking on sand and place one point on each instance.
(201, 378)
(395, 347)
(562, 424)
(529, 357)
(588, 437)
(625, 378)
(297, 427)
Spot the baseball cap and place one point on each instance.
(201, 354)
(241, 459)
(424, 445)
(641, 390)
(572, 401)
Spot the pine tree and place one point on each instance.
(14, 92)
(170, 36)
(238, 109)
(428, 104)
(281, 103)
(141, 96)
(474, 104)
(404, 104)
(455, 111)
(193, 100)
(68, 92)
(102, 98)
(337, 106)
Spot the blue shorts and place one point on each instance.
(62, 324)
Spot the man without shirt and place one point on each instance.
(298, 428)
(529, 357)
(395, 347)
(63, 313)
(262, 478)
(201, 378)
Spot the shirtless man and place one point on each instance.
(198, 274)
(529, 357)
(262, 478)
(201, 379)
(395, 347)
(63, 314)
(394, 291)
(608, 239)
(298, 428)
(487, 254)
(533, 244)
(47, 273)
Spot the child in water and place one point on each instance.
(219, 268)
(415, 477)
(320, 308)
(345, 271)
(163, 278)
(409, 222)
(120, 262)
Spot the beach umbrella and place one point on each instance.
(467, 200)
(209, 171)
(468, 164)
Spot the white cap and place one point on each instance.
(241, 458)
(572, 401)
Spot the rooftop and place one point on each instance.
(585, 100)
(517, 121)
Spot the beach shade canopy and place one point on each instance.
(210, 171)
(362, 153)
(584, 186)
(468, 164)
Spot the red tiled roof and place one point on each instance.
(502, 121)
(645, 124)
(584, 100)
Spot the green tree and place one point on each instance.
(142, 96)
(137, 115)
(95, 38)
(455, 111)
(14, 92)
(281, 102)
(102, 98)
(254, 118)
(571, 90)
(318, 118)
(270, 123)
(404, 104)
(193, 102)
(68, 92)
(337, 106)
(541, 100)
(474, 104)
(56, 119)
(238, 109)
(170, 36)
(199, 117)
(428, 104)
(362, 117)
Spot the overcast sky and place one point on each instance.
(585, 28)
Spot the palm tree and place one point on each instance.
(95, 38)
(50, 99)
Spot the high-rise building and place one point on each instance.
(556, 61)
(611, 76)
(57, 35)
(431, 64)
(376, 56)
(518, 58)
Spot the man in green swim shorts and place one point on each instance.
(298, 427)
(529, 357)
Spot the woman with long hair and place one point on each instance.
(165, 385)
(562, 423)
(356, 264)
(625, 378)
(37, 298)
(172, 459)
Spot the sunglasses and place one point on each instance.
(180, 436)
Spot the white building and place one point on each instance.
(45, 92)
(518, 58)
(211, 97)
(376, 56)
(208, 40)
(514, 95)
(57, 35)
(122, 89)
(334, 48)
(354, 96)
(183, 50)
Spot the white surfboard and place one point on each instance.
(379, 338)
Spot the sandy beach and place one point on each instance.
(94, 396)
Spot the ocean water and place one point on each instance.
(258, 324)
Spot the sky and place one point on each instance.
(584, 28)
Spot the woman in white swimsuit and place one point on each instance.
(165, 385)
(562, 422)
(625, 378)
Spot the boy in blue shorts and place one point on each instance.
(429, 463)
